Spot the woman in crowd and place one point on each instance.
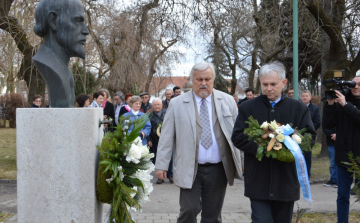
(134, 113)
(107, 105)
(83, 100)
(36, 101)
(126, 108)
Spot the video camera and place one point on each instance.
(344, 86)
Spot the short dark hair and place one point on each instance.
(175, 88)
(290, 89)
(97, 94)
(81, 99)
(250, 89)
(36, 96)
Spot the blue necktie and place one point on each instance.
(272, 103)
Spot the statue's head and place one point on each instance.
(62, 21)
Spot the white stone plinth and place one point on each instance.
(57, 164)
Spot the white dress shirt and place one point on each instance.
(117, 113)
(212, 154)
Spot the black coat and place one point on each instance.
(123, 110)
(34, 106)
(347, 122)
(109, 110)
(328, 133)
(155, 120)
(270, 179)
(315, 115)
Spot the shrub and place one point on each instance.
(8, 105)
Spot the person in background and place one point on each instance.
(177, 90)
(168, 94)
(36, 101)
(107, 105)
(98, 98)
(236, 98)
(145, 105)
(291, 93)
(343, 112)
(126, 108)
(330, 141)
(118, 98)
(83, 100)
(135, 113)
(316, 120)
(157, 117)
(250, 93)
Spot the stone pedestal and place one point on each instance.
(57, 164)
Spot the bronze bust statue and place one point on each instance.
(62, 25)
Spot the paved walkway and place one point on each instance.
(164, 203)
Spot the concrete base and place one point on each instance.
(57, 164)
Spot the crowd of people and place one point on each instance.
(204, 147)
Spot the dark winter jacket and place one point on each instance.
(109, 110)
(347, 122)
(270, 179)
(315, 118)
(315, 115)
(328, 133)
(34, 106)
(155, 121)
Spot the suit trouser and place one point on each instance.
(206, 195)
(267, 211)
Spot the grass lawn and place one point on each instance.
(319, 165)
(7, 153)
(354, 217)
(4, 216)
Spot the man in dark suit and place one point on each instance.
(166, 101)
(271, 185)
(316, 120)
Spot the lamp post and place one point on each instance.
(295, 50)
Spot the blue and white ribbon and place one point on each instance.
(299, 161)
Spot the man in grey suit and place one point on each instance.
(198, 125)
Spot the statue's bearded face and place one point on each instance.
(72, 30)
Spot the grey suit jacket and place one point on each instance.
(183, 129)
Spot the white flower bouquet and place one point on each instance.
(270, 139)
(124, 171)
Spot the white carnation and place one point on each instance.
(278, 131)
(264, 125)
(271, 135)
(138, 141)
(134, 154)
(296, 138)
(133, 193)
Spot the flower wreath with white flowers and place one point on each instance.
(270, 140)
(124, 170)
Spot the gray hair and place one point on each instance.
(306, 91)
(120, 94)
(103, 90)
(134, 99)
(202, 66)
(276, 67)
(157, 99)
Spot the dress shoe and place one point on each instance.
(171, 179)
(159, 181)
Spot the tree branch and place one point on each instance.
(327, 25)
(355, 64)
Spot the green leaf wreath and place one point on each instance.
(123, 178)
(273, 146)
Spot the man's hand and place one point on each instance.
(340, 98)
(333, 136)
(161, 174)
(150, 143)
(143, 135)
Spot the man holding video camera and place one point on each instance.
(344, 114)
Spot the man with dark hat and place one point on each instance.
(145, 105)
